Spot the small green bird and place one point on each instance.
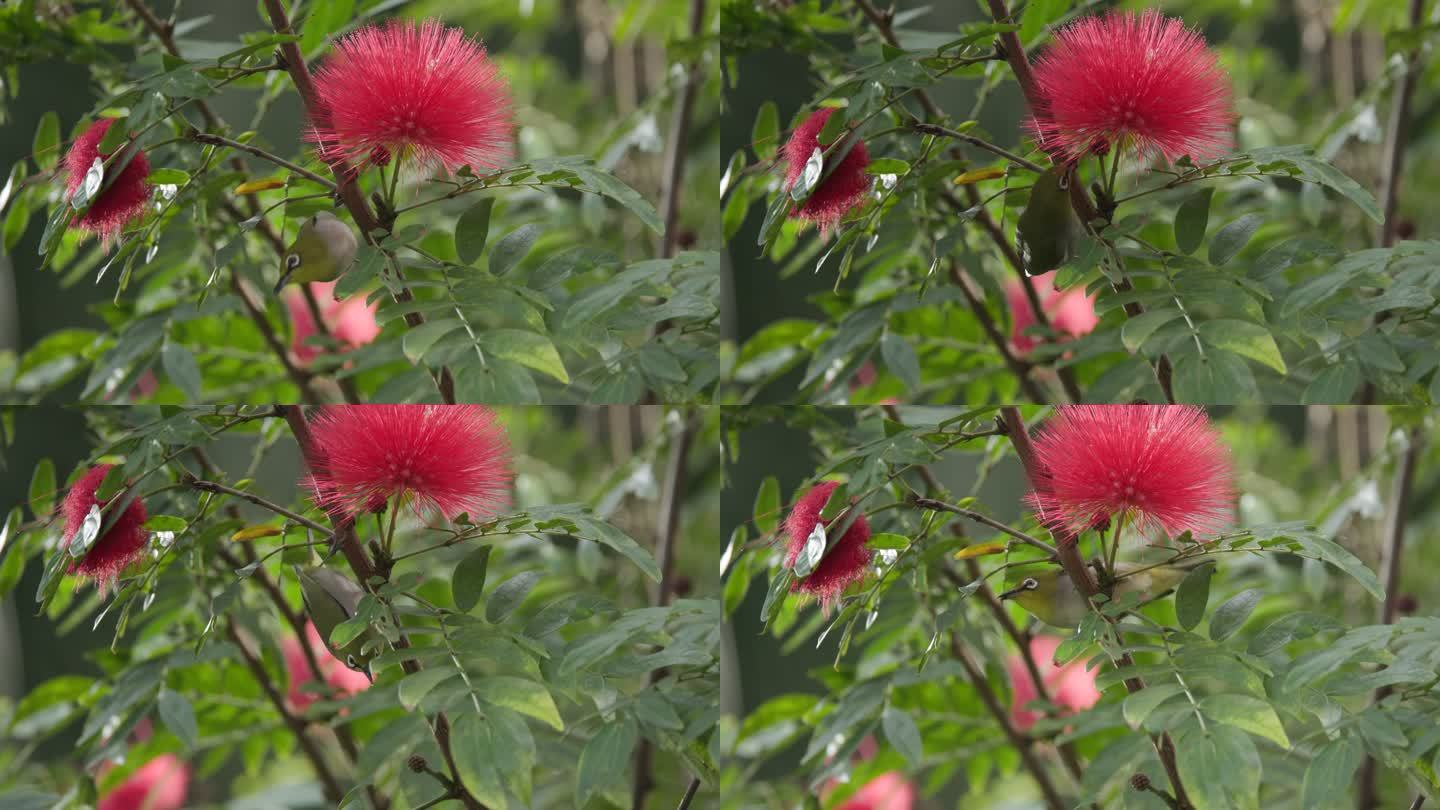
(331, 599)
(324, 248)
(1046, 231)
(1051, 596)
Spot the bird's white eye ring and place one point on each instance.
(292, 261)
(1029, 583)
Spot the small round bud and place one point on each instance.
(380, 156)
(1140, 782)
(417, 763)
(1100, 147)
(1405, 229)
(1406, 604)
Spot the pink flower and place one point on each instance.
(836, 195)
(449, 458)
(119, 546)
(1163, 466)
(1071, 687)
(1071, 312)
(429, 93)
(846, 562)
(351, 320)
(160, 784)
(123, 201)
(888, 791)
(342, 679)
(1124, 79)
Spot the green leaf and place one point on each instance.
(1217, 377)
(887, 166)
(1139, 705)
(902, 733)
(1037, 15)
(168, 177)
(166, 523)
(1328, 778)
(508, 595)
(468, 582)
(42, 488)
(886, 540)
(472, 230)
(529, 349)
(45, 148)
(177, 715)
(1137, 330)
(181, 368)
(1232, 614)
(416, 686)
(1230, 239)
(1220, 770)
(608, 535)
(1191, 220)
(765, 135)
(1246, 339)
(475, 752)
(517, 694)
(1248, 714)
(1193, 594)
(419, 339)
(512, 248)
(767, 506)
(604, 183)
(1335, 385)
(605, 760)
(900, 358)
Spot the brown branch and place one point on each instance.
(883, 25)
(302, 378)
(937, 505)
(1067, 546)
(1068, 756)
(1018, 366)
(346, 185)
(1369, 796)
(219, 140)
(668, 523)
(679, 139)
(367, 572)
(1399, 132)
(328, 782)
(1019, 741)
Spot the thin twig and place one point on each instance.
(941, 506)
(328, 782)
(211, 486)
(1017, 365)
(1395, 520)
(695, 786)
(668, 524)
(220, 140)
(946, 132)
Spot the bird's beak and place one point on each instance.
(284, 278)
(1016, 591)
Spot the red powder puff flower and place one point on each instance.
(160, 784)
(1071, 687)
(1124, 79)
(1162, 466)
(429, 93)
(836, 195)
(351, 321)
(123, 201)
(888, 791)
(117, 547)
(846, 562)
(342, 679)
(449, 458)
(1070, 313)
